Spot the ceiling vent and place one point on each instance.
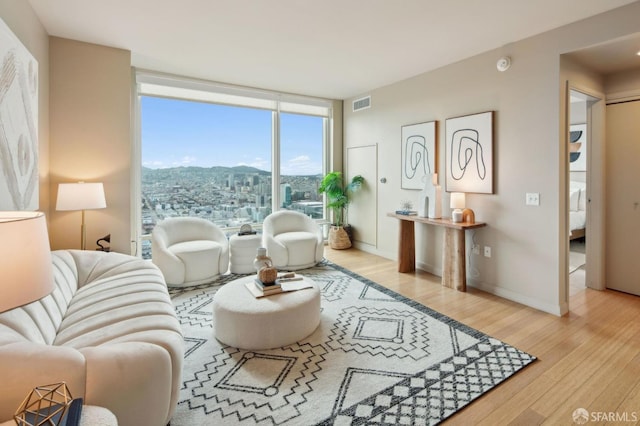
(362, 103)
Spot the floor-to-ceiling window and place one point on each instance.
(301, 153)
(230, 155)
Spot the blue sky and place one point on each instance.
(183, 133)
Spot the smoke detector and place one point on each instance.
(503, 63)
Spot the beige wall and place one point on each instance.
(21, 19)
(90, 138)
(528, 243)
(623, 85)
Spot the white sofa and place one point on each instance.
(109, 330)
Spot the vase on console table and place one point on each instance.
(430, 201)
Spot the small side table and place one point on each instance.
(242, 252)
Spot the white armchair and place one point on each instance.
(292, 239)
(189, 250)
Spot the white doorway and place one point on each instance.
(585, 194)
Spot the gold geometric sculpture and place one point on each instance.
(44, 406)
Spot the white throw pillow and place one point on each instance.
(574, 199)
(582, 202)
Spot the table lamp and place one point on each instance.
(25, 259)
(457, 203)
(81, 196)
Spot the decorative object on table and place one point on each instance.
(246, 229)
(81, 196)
(418, 153)
(469, 153)
(49, 405)
(578, 147)
(25, 259)
(261, 259)
(268, 274)
(286, 282)
(405, 208)
(430, 200)
(267, 288)
(457, 203)
(18, 124)
(468, 216)
(338, 201)
(106, 239)
(373, 346)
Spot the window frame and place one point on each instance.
(149, 83)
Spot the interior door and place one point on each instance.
(362, 213)
(623, 197)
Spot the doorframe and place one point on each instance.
(595, 179)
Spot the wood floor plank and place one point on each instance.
(591, 356)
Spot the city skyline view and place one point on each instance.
(214, 162)
(187, 133)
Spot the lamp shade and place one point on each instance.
(80, 196)
(25, 259)
(457, 200)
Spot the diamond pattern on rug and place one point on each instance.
(376, 358)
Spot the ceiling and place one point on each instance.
(329, 48)
(613, 56)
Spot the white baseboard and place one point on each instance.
(558, 310)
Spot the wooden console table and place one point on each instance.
(454, 270)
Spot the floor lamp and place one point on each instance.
(81, 196)
(25, 259)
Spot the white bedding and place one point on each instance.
(577, 205)
(577, 220)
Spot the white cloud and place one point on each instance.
(154, 164)
(301, 165)
(185, 161)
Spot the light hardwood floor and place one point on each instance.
(589, 358)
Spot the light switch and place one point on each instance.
(533, 198)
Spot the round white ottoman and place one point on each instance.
(242, 252)
(243, 321)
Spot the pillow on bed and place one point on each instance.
(582, 201)
(574, 200)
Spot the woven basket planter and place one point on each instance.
(338, 238)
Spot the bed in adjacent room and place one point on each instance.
(577, 209)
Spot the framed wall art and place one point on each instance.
(578, 148)
(469, 153)
(18, 124)
(418, 154)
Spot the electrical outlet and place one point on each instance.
(533, 198)
(487, 251)
(475, 249)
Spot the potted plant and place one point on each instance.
(338, 199)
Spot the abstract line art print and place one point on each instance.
(418, 154)
(18, 124)
(469, 153)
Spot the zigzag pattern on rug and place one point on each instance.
(376, 358)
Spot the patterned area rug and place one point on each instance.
(376, 358)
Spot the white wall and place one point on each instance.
(24, 23)
(528, 243)
(91, 138)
